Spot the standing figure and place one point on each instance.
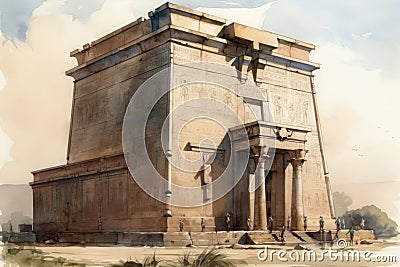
(343, 224)
(282, 233)
(180, 225)
(289, 223)
(362, 223)
(207, 179)
(271, 223)
(321, 223)
(99, 224)
(351, 232)
(228, 221)
(249, 223)
(305, 223)
(203, 224)
(338, 225)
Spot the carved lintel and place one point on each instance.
(282, 133)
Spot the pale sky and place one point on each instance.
(358, 45)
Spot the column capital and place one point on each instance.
(260, 153)
(298, 156)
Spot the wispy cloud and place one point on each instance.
(366, 35)
(230, 3)
(253, 17)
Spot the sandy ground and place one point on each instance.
(105, 256)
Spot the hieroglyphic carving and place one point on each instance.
(228, 98)
(286, 78)
(203, 93)
(278, 112)
(184, 54)
(184, 93)
(304, 112)
(290, 106)
(212, 57)
(299, 81)
(275, 76)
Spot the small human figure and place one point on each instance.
(362, 223)
(249, 223)
(338, 225)
(351, 232)
(180, 225)
(228, 221)
(305, 223)
(99, 224)
(321, 223)
(11, 227)
(289, 223)
(343, 224)
(271, 223)
(203, 224)
(282, 233)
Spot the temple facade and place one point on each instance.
(94, 192)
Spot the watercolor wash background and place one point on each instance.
(357, 42)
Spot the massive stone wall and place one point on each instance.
(100, 101)
(93, 191)
(76, 203)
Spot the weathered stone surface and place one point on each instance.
(204, 239)
(141, 239)
(358, 235)
(177, 239)
(18, 238)
(262, 237)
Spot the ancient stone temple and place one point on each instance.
(95, 194)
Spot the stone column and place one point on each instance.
(297, 214)
(260, 202)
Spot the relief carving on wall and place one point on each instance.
(291, 107)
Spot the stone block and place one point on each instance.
(19, 238)
(204, 238)
(179, 239)
(141, 239)
(358, 235)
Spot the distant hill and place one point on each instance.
(15, 204)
